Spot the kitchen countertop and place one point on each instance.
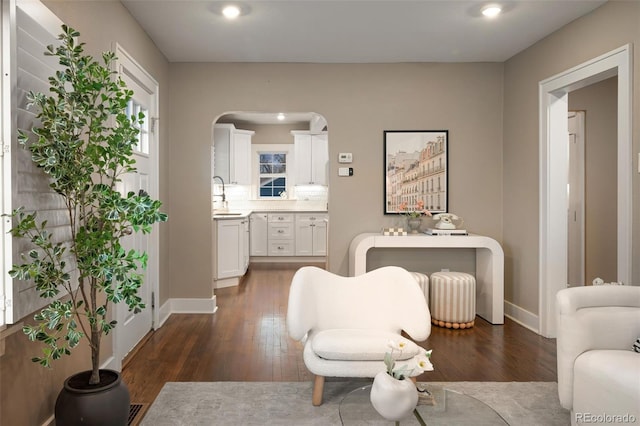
(241, 214)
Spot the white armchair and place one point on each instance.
(348, 321)
(598, 372)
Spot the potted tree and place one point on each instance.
(84, 144)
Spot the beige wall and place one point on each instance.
(599, 101)
(359, 103)
(28, 391)
(608, 27)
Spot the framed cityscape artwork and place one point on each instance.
(415, 170)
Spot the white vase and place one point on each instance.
(393, 399)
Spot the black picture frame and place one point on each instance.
(416, 169)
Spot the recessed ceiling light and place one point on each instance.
(231, 12)
(281, 116)
(491, 11)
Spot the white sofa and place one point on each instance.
(347, 322)
(598, 372)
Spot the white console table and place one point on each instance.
(489, 263)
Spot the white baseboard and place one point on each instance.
(187, 306)
(164, 313)
(288, 259)
(110, 364)
(521, 316)
(226, 282)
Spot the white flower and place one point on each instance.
(419, 362)
(423, 364)
(398, 346)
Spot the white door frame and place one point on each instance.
(125, 64)
(577, 188)
(553, 130)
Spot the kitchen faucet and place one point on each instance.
(220, 195)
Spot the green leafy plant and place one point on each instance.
(85, 144)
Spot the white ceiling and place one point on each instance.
(355, 31)
(267, 117)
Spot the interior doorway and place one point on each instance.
(553, 96)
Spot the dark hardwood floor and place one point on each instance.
(246, 340)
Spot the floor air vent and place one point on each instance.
(136, 412)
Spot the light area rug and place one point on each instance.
(289, 403)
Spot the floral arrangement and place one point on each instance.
(420, 362)
(416, 212)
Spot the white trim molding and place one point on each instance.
(186, 306)
(553, 131)
(521, 316)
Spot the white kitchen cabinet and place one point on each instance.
(311, 158)
(311, 234)
(232, 248)
(232, 154)
(280, 231)
(259, 234)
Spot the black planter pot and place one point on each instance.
(104, 404)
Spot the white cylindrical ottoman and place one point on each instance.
(452, 299)
(423, 281)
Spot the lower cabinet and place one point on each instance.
(280, 234)
(259, 234)
(289, 234)
(311, 234)
(232, 248)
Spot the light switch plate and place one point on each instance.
(345, 171)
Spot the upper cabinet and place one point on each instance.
(232, 154)
(311, 157)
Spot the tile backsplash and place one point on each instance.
(239, 197)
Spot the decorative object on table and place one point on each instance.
(425, 397)
(434, 231)
(85, 139)
(393, 394)
(416, 169)
(452, 297)
(600, 281)
(414, 225)
(394, 231)
(448, 221)
(414, 215)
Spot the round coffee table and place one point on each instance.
(449, 408)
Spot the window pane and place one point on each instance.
(266, 192)
(278, 168)
(265, 181)
(266, 158)
(265, 169)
